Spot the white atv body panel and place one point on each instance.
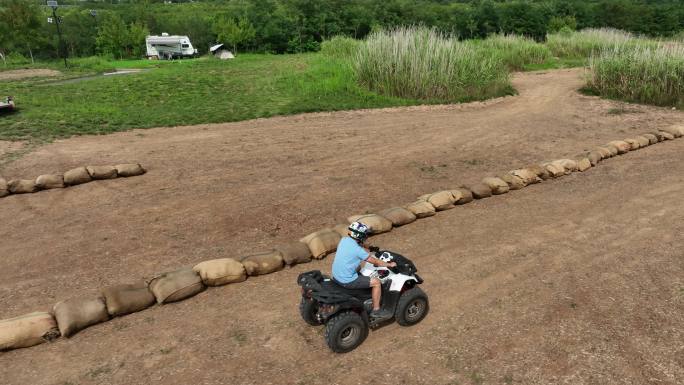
(398, 280)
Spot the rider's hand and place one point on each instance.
(392, 264)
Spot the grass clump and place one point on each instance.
(652, 75)
(340, 47)
(515, 51)
(421, 63)
(584, 43)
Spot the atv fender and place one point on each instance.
(399, 281)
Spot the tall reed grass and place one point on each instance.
(584, 43)
(515, 51)
(646, 74)
(419, 62)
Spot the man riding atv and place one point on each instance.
(351, 254)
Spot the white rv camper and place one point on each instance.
(169, 47)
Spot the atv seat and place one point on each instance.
(331, 285)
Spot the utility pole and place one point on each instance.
(53, 4)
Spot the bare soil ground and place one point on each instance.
(577, 280)
(27, 73)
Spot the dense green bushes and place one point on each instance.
(425, 64)
(515, 51)
(340, 47)
(640, 74)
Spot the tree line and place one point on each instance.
(118, 28)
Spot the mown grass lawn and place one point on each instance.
(183, 93)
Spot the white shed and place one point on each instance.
(220, 52)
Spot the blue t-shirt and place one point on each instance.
(347, 258)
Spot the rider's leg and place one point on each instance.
(376, 293)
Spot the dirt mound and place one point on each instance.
(27, 73)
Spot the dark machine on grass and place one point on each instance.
(7, 105)
(346, 312)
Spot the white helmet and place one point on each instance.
(359, 231)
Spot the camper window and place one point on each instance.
(185, 45)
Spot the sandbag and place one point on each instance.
(4, 191)
(584, 164)
(22, 186)
(675, 131)
(295, 252)
(513, 182)
(569, 168)
(527, 176)
(263, 263)
(399, 216)
(441, 200)
(643, 141)
(462, 195)
(555, 170)
(497, 185)
(217, 272)
(594, 158)
(658, 135)
(678, 128)
(176, 285)
(421, 209)
(27, 330)
(49, 181)
(612, 149)
(322, 242)
(480, 190)
(569, 164)
(102, 172)
(377, 223)
(652, 139)
(541, 172)
(604, 151)
(77, 314)
(621, 146)
(127, 298)
(633, 143)
(76, 176)
(667, 135)
(342, 229)
(130, 169)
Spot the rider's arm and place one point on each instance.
(377, 262)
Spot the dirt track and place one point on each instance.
(577, 280)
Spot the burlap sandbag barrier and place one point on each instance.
(76, 176)
(621, 146)
(421, 209)
(462, 195)
(612, 149)
(22, 186)
(129, 169)
(440, 200)
(667, 135)
(50, 181)
(76, 314)
(399, 216)
(658, 135)
(342, 229)
(263, 263)
(102, 172)
(295, 253)
(377, 223)
(514, 183)
(604, 151)
(568, 165)
(652, 139)
(176, 285)
(594, 157)
(675, 131)
(643, 141)
(480, 190)
(322, 242)
(27, 330)
(678, 129)
(217, 272)
(633, 143)
(527, 176)
(541, 172)
(127, 298)
(4, 191)
(583, 164)
(556, 170)
(497, 185)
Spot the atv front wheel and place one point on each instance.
(413, 306)
(345, 331)
(308, 309)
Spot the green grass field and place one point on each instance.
(184, 92)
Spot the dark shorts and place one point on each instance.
(361, 282)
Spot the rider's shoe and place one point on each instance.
(381, 314)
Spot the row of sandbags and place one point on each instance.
(70, 316)
(72, 177)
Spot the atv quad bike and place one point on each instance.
(346, 312)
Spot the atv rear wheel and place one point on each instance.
(413, 306)
(308, 308)
(345, 331)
